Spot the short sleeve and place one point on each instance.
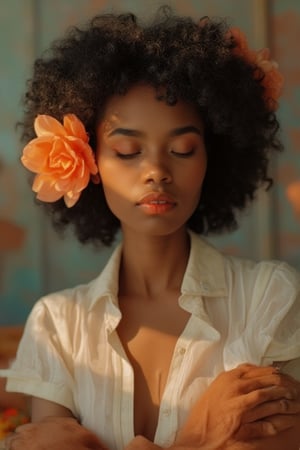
(285, 341)
(264, 322)
(41, 367)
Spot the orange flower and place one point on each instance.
(10, 419)
(272, 80)
(61, 157)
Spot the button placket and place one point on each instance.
(167, 422)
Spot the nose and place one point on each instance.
(157, 171)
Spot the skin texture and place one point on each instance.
(197, 61)
(157, 143)
(231, 407)
(247, 408)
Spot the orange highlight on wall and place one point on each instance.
(293, 195)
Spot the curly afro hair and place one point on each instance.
(191, 61)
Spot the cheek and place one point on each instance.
(115, 186)
(115, 201)
(194, 179)
(111, 175)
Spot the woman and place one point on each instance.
(163, 131)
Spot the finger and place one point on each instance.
(276, 379)
(3, 444)
(269, 394)
(273, 376)
(256, 430)
(282, 422)
(246, 372)
(24, 427)
(267, 409)
(9, 442)
(266, 428)
(253, 371)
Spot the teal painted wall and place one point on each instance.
(33, 260)
(286, 42)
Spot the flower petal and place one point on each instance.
(87, 153)
(272, 81)
(240, 39)
(45, 125)
(263, 54)
(81, 183)
(76, 183)
(62, 158)
(36, 153)
(89, 158)
(74, 127)
(71, 198)
(45, 189)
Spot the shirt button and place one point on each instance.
(166, 412)
(182, 351)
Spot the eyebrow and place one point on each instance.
(185, 130)
(126, 132)
(173, 133)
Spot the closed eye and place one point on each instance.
(127, 155)
(183, 154)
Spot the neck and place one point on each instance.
(151, 265)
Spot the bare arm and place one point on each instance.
(249, 404)
(53, 426)
(41, 408)
(258, 403)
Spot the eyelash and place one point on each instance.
(177, 154)
(127, 155)
(184, 155)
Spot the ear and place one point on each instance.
(96, 178)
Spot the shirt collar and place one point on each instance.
(204, 274)
(107, 283)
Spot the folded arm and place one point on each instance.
(248, 408)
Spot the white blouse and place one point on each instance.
(70, 353)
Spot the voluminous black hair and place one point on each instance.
(186, 60)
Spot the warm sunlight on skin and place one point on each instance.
(156, 155)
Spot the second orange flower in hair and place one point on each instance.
(272, 80)
(61, 157)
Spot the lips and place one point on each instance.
(155, 198)
(156, 204)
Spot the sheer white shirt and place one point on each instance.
(240, 311)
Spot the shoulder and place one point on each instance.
(262, 276)
(261, 291)
(83, 297)
(236, 277)
(264, 311)
(65, 302)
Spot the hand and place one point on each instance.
(235, 405)
(53, 433)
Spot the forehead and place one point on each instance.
(139, 108)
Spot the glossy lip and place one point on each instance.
(156, 198)
(156, 203)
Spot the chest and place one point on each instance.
(171, 357)
(149, 333)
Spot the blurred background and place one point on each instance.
(33, 260)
